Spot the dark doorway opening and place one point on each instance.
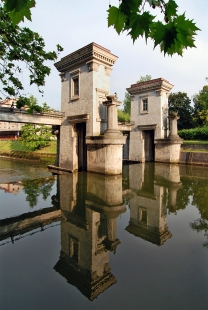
(81, 149)
(149, 148)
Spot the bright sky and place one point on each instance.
(74, 24)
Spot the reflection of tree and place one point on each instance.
(200, 198)
(45, 189)
(201, 225)
(34, 188)
(32, 192)
(183, 197)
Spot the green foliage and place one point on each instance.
(201, 225)
(181, 103)
(174, 34)
(32, 105)
(201, 107)
(36, 137)
(18, 9)
(145, 78)
(123, 116)
(194, 134)
(20, 46)
(34, 188)
(127, 103)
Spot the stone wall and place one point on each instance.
(194, 158)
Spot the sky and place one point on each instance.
(74, 24)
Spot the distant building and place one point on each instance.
(9, 131)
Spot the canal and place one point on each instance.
(89, 241)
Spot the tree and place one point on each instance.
(21, 46)
(181, 103)
(145, 78)
(34, 188)
(32, 105)
(124, 115)
(127, 103)
(174, 34)
(201, 107)
(36, 136)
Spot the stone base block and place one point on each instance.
(167, 151)
(104, 155)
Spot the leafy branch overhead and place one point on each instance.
(174, 34)
(18, 47)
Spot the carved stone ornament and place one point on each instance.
(92, 66)
(132, 97)
(159, 92)
(111, 97)
(108, 71)
(63, 76)
(165, 109)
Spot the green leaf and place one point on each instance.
(19, 9)
(157, 33)
(16, 5)
(128, 6)
(140, 25)
(116, 18)
(171, 9)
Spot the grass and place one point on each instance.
(195, 142)
(17, 149)
(18, 146)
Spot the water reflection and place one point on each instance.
(35, 188)
(90, 205)
(154, 189)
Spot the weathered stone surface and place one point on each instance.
(153, 119)
(91, 65)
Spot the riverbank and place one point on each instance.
(16, 149)
(192, 152)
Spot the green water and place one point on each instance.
(88, 241)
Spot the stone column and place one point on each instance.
(112, 124)
(104, 152)
(111, 229)
(173, 125)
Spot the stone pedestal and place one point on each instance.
(168, 150)
(105, 152)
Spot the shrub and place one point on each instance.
(123, 116)
(200, 133)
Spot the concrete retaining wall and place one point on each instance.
(194, 158)
(195, 146)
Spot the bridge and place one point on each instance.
(17, 116)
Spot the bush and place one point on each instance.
(194, 134)
(123, 116)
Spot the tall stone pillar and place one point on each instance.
(168, 150)
(173, 125)
(105, 152)
(112, 121)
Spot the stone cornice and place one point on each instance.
(152, 85)
(90, 52)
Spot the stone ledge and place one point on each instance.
(106, 140)
(168, 141)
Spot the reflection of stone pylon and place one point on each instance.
(148, 206)
(88, 230)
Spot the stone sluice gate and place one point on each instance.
(87, 130)
(90, 138)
